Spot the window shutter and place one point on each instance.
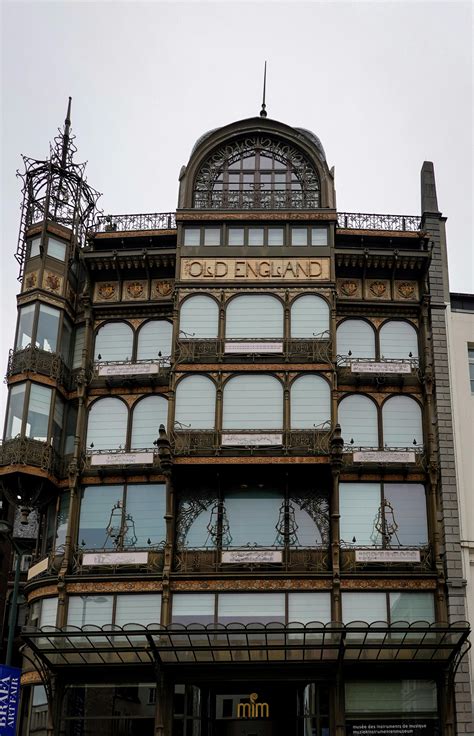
(402, 422)
(359, 507)
(357, 337)
(154, 338)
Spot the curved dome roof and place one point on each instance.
(302, 131)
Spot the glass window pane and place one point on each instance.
(312, 520)
(147, 416)
(368, 607)
(193, 608)
(15, 411)
(66, 339)
(96, 510)
(299, 236)
(357, 416)
(256, 235)
(58, 422)
(71, 421)
(47, 330)
(276, 235)
(309, 317)
(199, 317)
(107, 429)
(310, 402)
(198, 535)
(114, 341)
(195, 403)
(154, 341)
(256, 315)
(402, 423)
(357, 338)
(192, 235)
(212, 236)
(35, 247)
(49, 607)
(25, 326)
(89, 609)
(253, 517)
(79, 341)
(391, 696)
(62, 520)
(142, 608)
(319, 236)
(253, 402)
(38, 412)
(398, 340)
(412, 607)
(307, 607)
(251, 607)
(56, 248)
(236, 235)
(359, 508)
(146, 504)
(248, 162)
(409, 512)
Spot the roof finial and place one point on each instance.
(67, 130)
(263, 111)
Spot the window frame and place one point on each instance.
(129, 426)
(34, 333)
(26, 403)
(388, 594)
(379, 418)
(377, 338)
(135, 340)
(286, 228)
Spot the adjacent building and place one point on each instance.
(233, 422)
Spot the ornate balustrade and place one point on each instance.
(364, 221)
(410, 458)
(22, 451)
(34, 360)
(133, 222)
(290, 559)
(254, 198)
(111, 372)
(318, 350)
(355, 558)
(113, 460)
(405, 371)
(202, 442)
(118, 562)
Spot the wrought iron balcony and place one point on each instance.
(404, 371)
(134, 222)
(203, 442)
(125, 460)
(410, 458)
(118, 562)
(317, 350)
(363, 221)
(34, 360)
(111, 372)
(255, 198)
(22, 451)
(293, 559)
(357, 558)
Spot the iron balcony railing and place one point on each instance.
(22, 451)
(396, 557)
(293, 559)
(316, 350)
(267, 199)
(205, 442)
(249, 199)
(34, 360)
(138, 370)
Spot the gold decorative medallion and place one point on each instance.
(31, 280)
(378, 288)
(164, 288)
(349, 288)
(135, 289)
(406, 289)
(107, 291)
(52, 281)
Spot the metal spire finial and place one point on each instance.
(67, 130)
(263, 111)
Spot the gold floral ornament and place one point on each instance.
(52, 281)
(406, 289)
(135, 289)
(164, 288)
(30, 280)
(349, 288)
(378, 288)
(107, 291)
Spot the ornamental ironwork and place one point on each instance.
(254, 198)
(34, 360)
(215, 350)
(22, 451)
(133, 222)
(364, 221)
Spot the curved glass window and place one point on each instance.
(355, 338)
(199, 317)
(154, 340)
(26, 322)
(254, 315)
(309, 316)
(195, 403)
(147, 416)
(16, 403)
(357, 416)
(47, 331)
(107, 428)
(402, 422)
(114, 341)
(398, 339)
(253, 402)
(310, 402)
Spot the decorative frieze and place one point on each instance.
(137, 290)
(262, 270)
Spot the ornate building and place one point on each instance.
(233, 425)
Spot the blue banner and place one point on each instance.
(9, 699)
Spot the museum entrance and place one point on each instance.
(251, 709)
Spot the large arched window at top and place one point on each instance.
(256, 172)
(402, 422)
(148, 414)
(254, 315)
(114, 341)
(310, 402)
(107, 427)
(154, 340)
(253, 402)
(356, 339)
(195, 405)
(357, 416)
(309, 316)
(398, 339)
(198, 318)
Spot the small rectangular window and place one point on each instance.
(299, 236)
(276, 236)
(79, 342)
(192, 236)
(236, 235)
(35, 247)
(56, 249)
(25, 326)
(470, 352)
(48, 326)
(256, 235)
(90, 609)
(38, 412)
(212, 236)
(193, 608)
(319, 236)
(15, 410)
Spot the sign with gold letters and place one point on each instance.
(255, 269)
(253, 709)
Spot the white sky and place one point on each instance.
(385, 85)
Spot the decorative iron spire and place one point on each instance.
(263, 111)
(67, 130)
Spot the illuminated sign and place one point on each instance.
(253, 709)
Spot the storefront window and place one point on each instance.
(109, 709)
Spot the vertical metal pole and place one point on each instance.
(13, 609)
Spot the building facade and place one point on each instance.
(233, 424)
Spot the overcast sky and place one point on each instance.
(385, 85)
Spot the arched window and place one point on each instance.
(310, 402)
(398, 339)
(254, 315)
(309, 316)
(199, 317)
(114, 341)
(154, 340)
(147, 416)
(195, 403)
(253, 402)
(257, 171)
(107, 427)
(402, 422)
(358, 419)
(355, 338)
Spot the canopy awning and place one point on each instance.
(239, 643)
